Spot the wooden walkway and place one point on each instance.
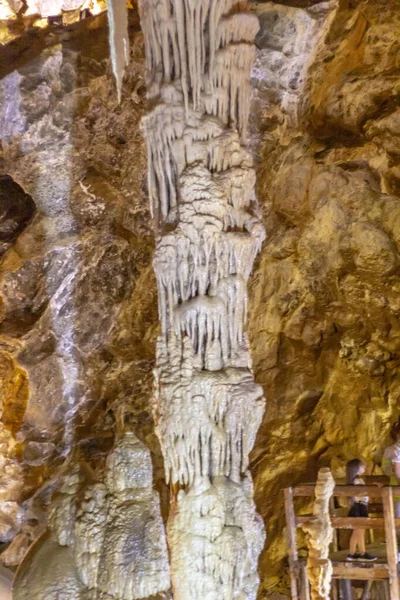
(385, 569)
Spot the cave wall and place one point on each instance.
(77, 352)
(78, 301)
(324, 301)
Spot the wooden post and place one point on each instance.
(304, 585)
(345, 584)
(335, 541)
(335, 548)
(366, 595)
(291, 539)
(334, 589)
(386, 593)
(391, 542)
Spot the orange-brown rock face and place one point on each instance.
(78, 299)
(325, 299)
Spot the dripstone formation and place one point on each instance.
(108, 545)
(207, 406)
(77, 241)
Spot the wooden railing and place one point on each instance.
(387, 522)
(347, 491)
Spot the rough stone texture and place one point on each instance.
(17, 16)
(207, 407)
(324, 303)
(78, 300)
(12, 9)
(319, 536)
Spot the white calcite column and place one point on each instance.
(319, 536)
(207, 406)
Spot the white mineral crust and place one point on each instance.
(105, 540)
(119, 40)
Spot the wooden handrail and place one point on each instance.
(350, 522)
(346, 491)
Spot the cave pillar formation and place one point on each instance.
(207, 406)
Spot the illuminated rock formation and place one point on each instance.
(324, 306)
(36, 15)
(207, 406)
(11, 9)
(57, 414)
(319, 536)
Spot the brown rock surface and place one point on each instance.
(325, 299)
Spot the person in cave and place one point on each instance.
(391, 463)
(359, 508)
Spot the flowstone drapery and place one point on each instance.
(207, 406)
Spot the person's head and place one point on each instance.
(353, 468)
(395, 432)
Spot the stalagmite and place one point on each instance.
(206, 405)
(319, 536)
(105, 540)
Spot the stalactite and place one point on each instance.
(319, 536)
(206, 405)
(119, 40)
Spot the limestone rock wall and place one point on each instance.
(36, 15)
